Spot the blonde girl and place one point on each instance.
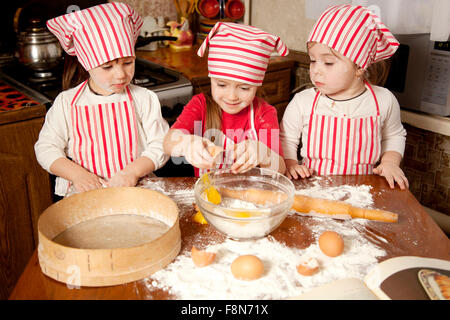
(346, 125)
(231, 116)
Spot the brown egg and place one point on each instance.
(308, 267)
(247, 267)
(331, 243)
(202, 258)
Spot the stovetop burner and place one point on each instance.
(173, 89)
(49, 83)
(43, 76)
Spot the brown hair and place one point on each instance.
(376, 73)
(74, 73)
(213, 112)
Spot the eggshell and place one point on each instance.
(214, 151)
(198, 217)
(308, 267)
(331, 243)
(202, 258)
(247, 267)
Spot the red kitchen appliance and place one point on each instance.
(221, 9)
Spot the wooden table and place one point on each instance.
(414, 234)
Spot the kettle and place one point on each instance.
(37, 48)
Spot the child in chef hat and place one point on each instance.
(105, 131)
(346, 125)
(231, 115)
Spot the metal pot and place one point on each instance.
(38, 48)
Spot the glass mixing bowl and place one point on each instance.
(252, 205)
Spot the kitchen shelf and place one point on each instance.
(427, 122)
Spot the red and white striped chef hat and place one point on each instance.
(240, 52)
(356, 33)
(98, 34)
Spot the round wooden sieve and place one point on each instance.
(105, 267)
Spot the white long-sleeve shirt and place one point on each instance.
(56, 137)
(295, 123)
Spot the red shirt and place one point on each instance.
(234, 126)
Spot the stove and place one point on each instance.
(172, 88)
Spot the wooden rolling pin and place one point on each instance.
(307, 204)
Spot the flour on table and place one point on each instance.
(179, 194)
(280, 280)
(184, 280)
(357, 196)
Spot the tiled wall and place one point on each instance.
(426, 164)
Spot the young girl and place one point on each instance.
(346, 124)
(105, 131)
(231, 115)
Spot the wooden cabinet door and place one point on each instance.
(25, 193)
(276, 86)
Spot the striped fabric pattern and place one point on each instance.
(342, 145)
(356, 33)
(240, 52)
(98, 34)
(352, 150)
(105, 135)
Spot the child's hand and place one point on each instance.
(87, 181)
(123, 179)
(246, 156)
(392, 172)
(294, 170)
(196, 152)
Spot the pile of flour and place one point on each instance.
(357, 196)
(184, 280)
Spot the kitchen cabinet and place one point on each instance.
(25, 192)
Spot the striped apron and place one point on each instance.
(105, 135)
(228, 144)
(343, 145)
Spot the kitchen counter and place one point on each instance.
(414, 234)
(426, 121)
(188, 62)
